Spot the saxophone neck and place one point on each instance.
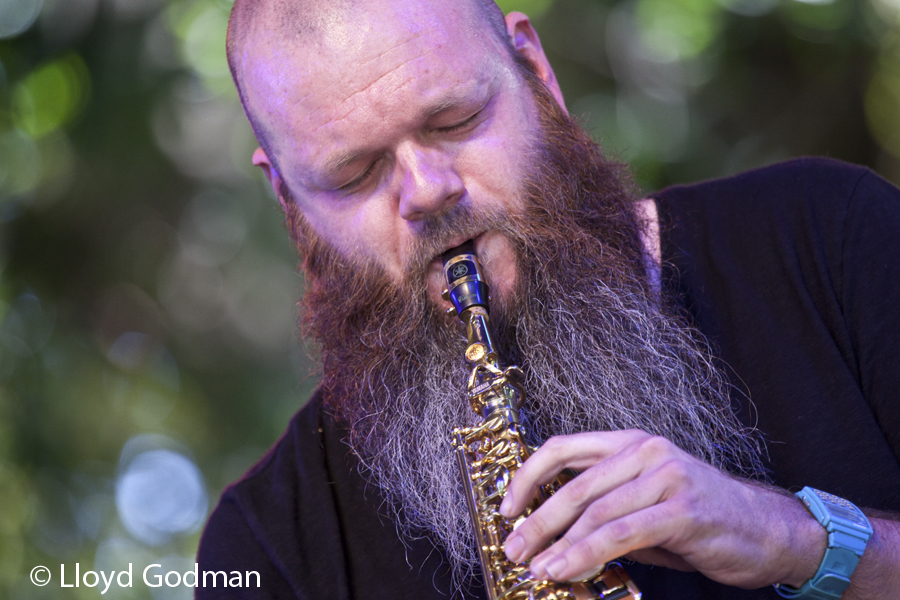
(491, 388)
(470, 296)
(480, 349)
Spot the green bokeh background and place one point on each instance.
(147, 287)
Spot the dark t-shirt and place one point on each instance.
(792, 272)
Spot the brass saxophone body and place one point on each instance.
(490, 452)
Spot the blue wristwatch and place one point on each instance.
(848, 532)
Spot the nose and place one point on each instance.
(430, 184)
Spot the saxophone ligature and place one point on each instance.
(491, 451)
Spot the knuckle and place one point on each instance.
(578, 491)
(655, 446)
(597, 512)
(521, 478)
(535, 527)
(591, 551)
(675, 471)
(620, 532)
(687, 516)
(598, 552)
(637, 434)
(635, 437)
(554, 445)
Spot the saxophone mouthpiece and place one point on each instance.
(466, 287)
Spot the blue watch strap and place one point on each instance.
(848, 532)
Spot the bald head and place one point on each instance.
(308, 21)
(281, 19)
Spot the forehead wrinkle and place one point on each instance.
(448, 97)
(428, 50)
(358, 92)
(410, 40)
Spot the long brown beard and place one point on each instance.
(599, 347)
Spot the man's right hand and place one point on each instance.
(641, 496)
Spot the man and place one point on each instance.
(392, 130)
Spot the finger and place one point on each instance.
(648, 528)
(578, 451)
(648, 556)
(631, 497)
(565, 507)
(538, 565)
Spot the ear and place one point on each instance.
(525, 40)
(261, 160)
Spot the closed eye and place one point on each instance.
(461, 124)
(349, 187)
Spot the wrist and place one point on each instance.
(847, 530)
(806, 547)
(796, 542)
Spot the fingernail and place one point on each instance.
(556, 568)
(506, 506)
(515, 547)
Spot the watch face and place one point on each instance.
(842, 509)
(851, 516)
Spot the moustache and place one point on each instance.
(438, 233)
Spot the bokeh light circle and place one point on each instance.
(160, 494)
(16, 16)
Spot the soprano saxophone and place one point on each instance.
(491, 451)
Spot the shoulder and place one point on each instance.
(798, 207)
(261, 514)
(296, 455)
(278, 477)
(799, 178)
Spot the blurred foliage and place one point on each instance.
(146, 282)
